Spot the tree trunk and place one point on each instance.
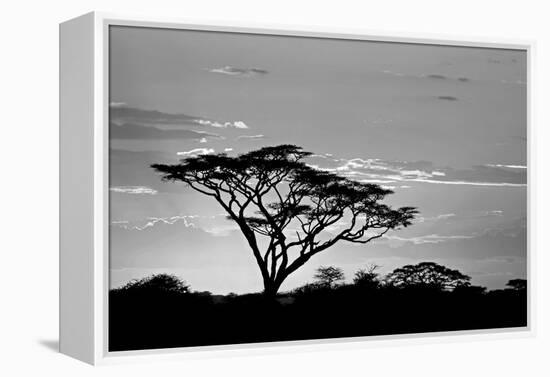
(271, 288)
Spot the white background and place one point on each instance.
(29, 189)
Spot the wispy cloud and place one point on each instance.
(216, 225)
(196, 152)
(445, 216)
(466, 183)
(506, 166)
(428, 76)
(238, 124)
(373, 170)
(469, 217)
(152, 221)
(250, 137)
(239, 72)
(427, 239)
(122, 115)
(436, 76)
(447, 98)
(392, 73)
(134, 190)
(138, 132)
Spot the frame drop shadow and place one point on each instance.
(51, 344)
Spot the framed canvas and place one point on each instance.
(228, 188)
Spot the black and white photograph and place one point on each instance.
(271, 188)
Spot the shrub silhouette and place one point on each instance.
(272, 193)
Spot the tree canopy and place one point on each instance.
(427, 275)
(329, 275)
(158, 282)
(287, 210)
(517, 284)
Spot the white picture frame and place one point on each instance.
(84, 188)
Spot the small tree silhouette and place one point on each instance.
(367, 277)
(517, 284)
(427, 275)
(329, 276)
(271, 193)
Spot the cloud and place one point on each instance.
(134, 190)
(250, 137)
(121, 114)
(203, 140)
(436, 76)
(238, 124)
(467, 217)
(239, 72)
(427, 239)
(490, 184)
(430, 76)
(391, 73)
(444, 216)
(138, 132)
(216, 225)
(506, 166)
(379, 171)
(152, 221)
(196, 152)
(228, 150)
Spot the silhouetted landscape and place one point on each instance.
(339, 188)
(162, 311)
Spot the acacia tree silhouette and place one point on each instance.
(517, 284)
(427, 275)
(272, 193)
(329, 275)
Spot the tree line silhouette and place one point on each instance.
(162, 311)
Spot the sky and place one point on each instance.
(443, 127)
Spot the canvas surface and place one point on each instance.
(372, 188)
